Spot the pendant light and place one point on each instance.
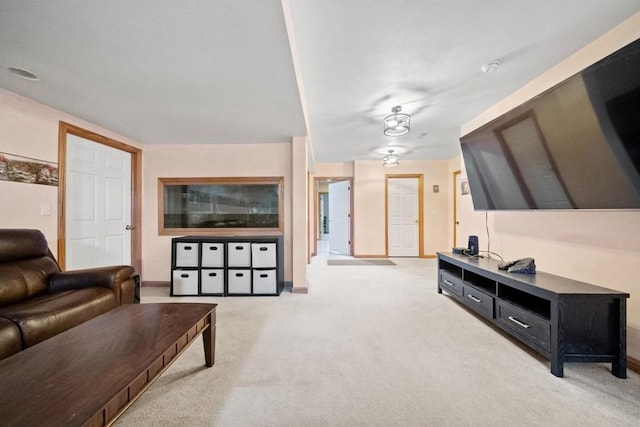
(396, 124)
(390, 160)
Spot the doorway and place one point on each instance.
(333, 228)
(99, 198)
(404, 216)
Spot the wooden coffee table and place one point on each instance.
(92, 373)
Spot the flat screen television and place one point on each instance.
(575, 146)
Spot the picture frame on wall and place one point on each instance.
(27, 170)
(464, 187)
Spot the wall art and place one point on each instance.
(464, 187)
(25, 169)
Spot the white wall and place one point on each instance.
(596, 247)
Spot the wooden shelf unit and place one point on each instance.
(563, 319)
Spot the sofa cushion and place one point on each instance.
(47, 315)
(10, 338)
(25, 278)
(20, 244)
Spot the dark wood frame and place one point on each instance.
(249, 231)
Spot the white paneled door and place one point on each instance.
(340, 217)
(98, 205)
(402, 216)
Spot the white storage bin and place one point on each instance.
(212, 281)
(239, 281)
(185, 282)
(264, 282)
(213, 255)
(239, 254)
(263, 255)
(187, 254)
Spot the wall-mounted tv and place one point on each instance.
(575, 146)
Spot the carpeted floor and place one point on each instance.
(373, 347)
(360, 262)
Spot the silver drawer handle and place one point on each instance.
(517, 322)
(475, 299)
(448, 282)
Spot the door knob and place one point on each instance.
(457, 222)
(129, 227)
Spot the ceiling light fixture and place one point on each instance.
(390, 160)
(20, 72)
(396, 124)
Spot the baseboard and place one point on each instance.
(633, 364)
(299, 290)
(430, 256)
(155, 284)
(370, 256)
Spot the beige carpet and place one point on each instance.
(373, 347)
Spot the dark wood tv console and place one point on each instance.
(564, 320)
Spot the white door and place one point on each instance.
(98, 205)
(340, 217)
(402, 216)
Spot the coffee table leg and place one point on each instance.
(209, 340)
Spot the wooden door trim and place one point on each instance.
(136, 189)
(316, 221)
(455, 208)
(420, 178)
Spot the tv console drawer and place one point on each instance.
(525, 324)
(451, 283)
(479, 301)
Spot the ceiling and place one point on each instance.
(207, 72)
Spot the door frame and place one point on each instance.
(420, 210)
(316, 220)
(455, 207)
(136, 189)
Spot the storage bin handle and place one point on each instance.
(239, 274)
(184, 275)
(262, 248)
(239, 248)
(187, 248)
(213, 274)
(264, 275)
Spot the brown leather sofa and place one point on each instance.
(38, 301)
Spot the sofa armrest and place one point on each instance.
(118, 278)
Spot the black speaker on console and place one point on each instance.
(473, 245)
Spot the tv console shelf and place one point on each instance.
(563, 319)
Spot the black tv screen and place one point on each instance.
(575, 146)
